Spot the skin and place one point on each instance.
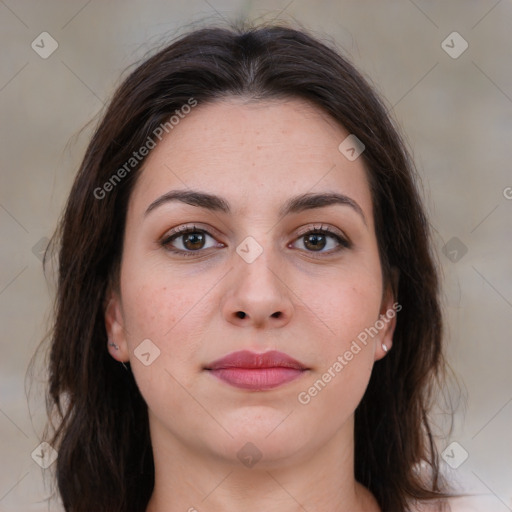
(256, 155)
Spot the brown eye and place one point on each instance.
(189, 240)
(315, 241)
(194, 241)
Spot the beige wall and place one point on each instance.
(456, 112)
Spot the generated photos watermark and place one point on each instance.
(143, 151)
(304, 397)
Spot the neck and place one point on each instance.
(320, 480)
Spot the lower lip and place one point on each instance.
(257, 379)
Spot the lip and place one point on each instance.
(258, 372)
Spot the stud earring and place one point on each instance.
(112, 344)
(384, 347)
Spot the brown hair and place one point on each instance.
(105, 460)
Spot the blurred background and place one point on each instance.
(445, 71)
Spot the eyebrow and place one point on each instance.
(297, 204)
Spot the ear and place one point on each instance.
(387, 315)
(114, 324)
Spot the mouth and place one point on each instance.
(257, 372)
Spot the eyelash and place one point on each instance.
(166, 241)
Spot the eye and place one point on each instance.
(187, 240)
(192, 241)
(318, 239)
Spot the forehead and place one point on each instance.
(253, 153)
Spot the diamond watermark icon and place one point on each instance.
(454, 455)
(44, 45)
(454, 249)
(454, 45)
(40, 247)
(44, 455)
(249, 455)
(146, 352)
(249, 249)
(351, 147)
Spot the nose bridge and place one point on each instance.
(254, 269)
(257, 291)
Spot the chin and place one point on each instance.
(264, 442)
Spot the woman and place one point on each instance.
(247, 314)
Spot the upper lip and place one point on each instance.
(247, 359)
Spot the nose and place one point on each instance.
(257, 295)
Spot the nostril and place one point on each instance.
(240, 314)
(277, 314)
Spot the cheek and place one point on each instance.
(330, 403)
(344, 362)
(345, 308)
(157, 309)
(171, 311)
(156, 302)
(343, 304)
(150, 309)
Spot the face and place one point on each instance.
(275, 251)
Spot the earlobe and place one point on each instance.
(388, 313)
(114, 325)
(385, 339)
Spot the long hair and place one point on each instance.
(98, 420)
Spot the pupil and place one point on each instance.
(316, 241)
(194, 240)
